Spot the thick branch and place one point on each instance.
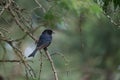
(11, 61)
(22, 61)
(52, 65)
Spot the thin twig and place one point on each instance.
(52, 65)
(2, 11)
(31, 71)
(19, 24)
(40, 6)
(65, 59)
(20, 55)
(5, 7)
(41, 64)
(62, 55)
(26, 73)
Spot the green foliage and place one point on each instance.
(51, 18)
(72, 5)
(102, 42)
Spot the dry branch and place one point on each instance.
(5, 7)
(19, 24)
(52, 65)
(41, 65)
(40, 6)
(20, 55)
(21, 61)
(11, 61)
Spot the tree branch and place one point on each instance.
(19, 24)
(11, 61)
(5, 7)
(40, 6)
(52, 65)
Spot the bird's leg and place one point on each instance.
(45, 48)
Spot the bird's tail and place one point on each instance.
(33, 53)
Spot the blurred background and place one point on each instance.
(85, 46)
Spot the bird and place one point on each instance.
(44, 41)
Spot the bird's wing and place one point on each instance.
(43, 45)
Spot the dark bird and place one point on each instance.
(43, 42)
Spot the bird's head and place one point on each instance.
(48, 31)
